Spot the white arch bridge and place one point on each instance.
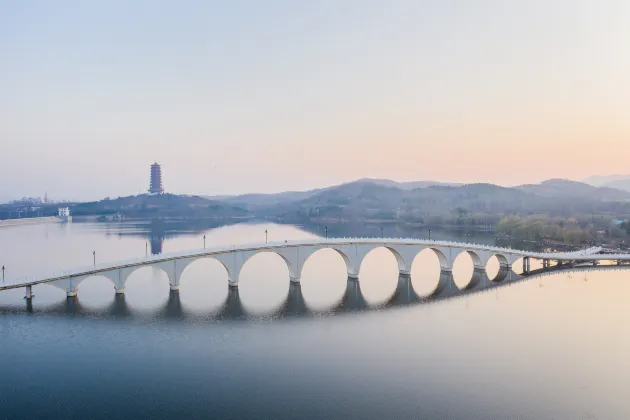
(296, 253)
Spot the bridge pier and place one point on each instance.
(173, 307)
(445, 283)
(353, 298)
(477, 279)
(119, 306)
(526, 265)
(404, 293)
(294, 303)
(232, 308)
(29, 293)
(506, 261)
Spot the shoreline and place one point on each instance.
(29, 221)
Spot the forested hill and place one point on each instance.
(365, 199)
(165, 205)
(573, 209)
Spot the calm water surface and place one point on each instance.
(555, 347)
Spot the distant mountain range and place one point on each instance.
(291, 196)
(407, 185)
(621, 182)
(420, 203)
(563, 188)
(440, 203)
(559, 188)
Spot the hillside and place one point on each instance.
(621, 182)
(562, 188)
(412, 185)
(293, 196)
(166, 205)
(603, 180)
(479, 205)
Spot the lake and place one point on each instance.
(553, 347)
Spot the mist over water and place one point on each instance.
(553, 347)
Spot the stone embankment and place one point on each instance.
(29, 221)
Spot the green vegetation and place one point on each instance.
(539, 227)
(573, 230)
(160, 206)
(555, 210)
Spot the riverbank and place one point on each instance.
(29, 221)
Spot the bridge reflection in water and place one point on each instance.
(294, 304)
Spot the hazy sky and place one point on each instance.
(264, 96)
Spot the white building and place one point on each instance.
(64, 212)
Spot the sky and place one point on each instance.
(250, 96)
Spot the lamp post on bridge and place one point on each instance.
(266, 235)
(3, 274)
(94, 255)
(146, 249)
(204, 241)
(326, 230)
(382, 232)
(429, 234)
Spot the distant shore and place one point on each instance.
(29, 221)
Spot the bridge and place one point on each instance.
(296, 253)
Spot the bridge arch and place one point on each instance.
(505, 262)
(324, 279)
(445, 264)
(425, 272)
(262, 281)
(476, 259)
(353, 263)
(404, 266)
(71, 285)
(128, 272)
(466, 267)
(346, 258)
(290, 265)
(380, 273)
(206, 257)
(202, 285)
